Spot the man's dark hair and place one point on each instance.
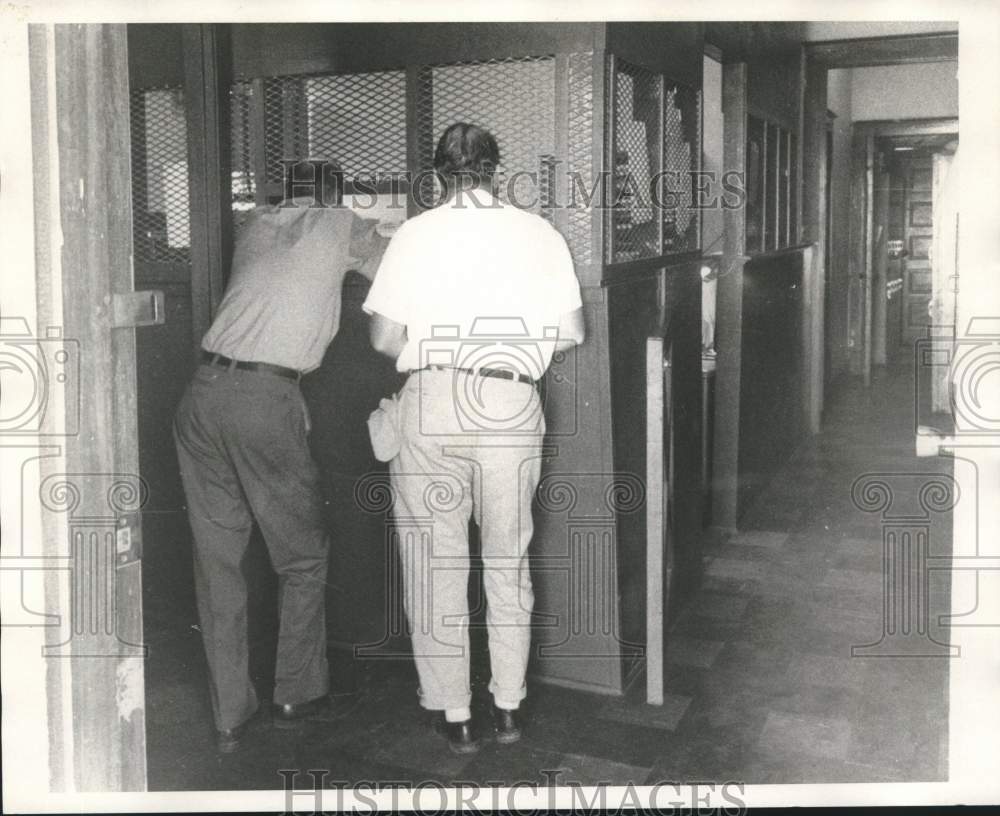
(466, 154)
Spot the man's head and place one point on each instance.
(467, 156)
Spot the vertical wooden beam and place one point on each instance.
(207, 78)
(656, 518)
(92, 185)
(729, 308)
(813, 222)
(866, 261)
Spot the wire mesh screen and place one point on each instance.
(355, 120)
(515, 100)
(241, 98)
(634, 231)
(161, 228)
(359, 121)
(654, 147)
(580, 141)
(681, 158)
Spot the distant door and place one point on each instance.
(918, 230)
(880, 260)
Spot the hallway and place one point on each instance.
(761, 684)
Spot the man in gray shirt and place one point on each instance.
(241, 434)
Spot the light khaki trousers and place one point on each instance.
(470, 445)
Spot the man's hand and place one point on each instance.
(387, 228)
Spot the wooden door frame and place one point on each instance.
(861, 220)
(92, 658)
(729, 308)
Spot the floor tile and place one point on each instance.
(769, 539)
(692, 652)
(794, 734)
(665, 716)
(588, 770)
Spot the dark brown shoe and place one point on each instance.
(325, 709)
(228, 741)
(462, 738)
(506, 724)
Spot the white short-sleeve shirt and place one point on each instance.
(478, 284)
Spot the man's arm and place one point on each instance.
(387, 336)
(571, 330)
(367, 245)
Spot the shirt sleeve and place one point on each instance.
(564, 288)
(366, 246)
(390, 292)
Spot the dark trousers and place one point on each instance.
(243, 453)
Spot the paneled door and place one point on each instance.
(918, 232)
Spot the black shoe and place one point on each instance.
(506, 724)
(462, 738)
(328, 708)
(228, 741)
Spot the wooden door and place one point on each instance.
(859, 305)
(918, 232)
(944, 272)
(880, 260)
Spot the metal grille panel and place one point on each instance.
(515, 100)
(580, 161)
(356, 120)
(286, 124)
(161, 230)
(359, 121)
(241, 150)
(681, 157)
(634, 231)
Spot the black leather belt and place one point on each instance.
(226, 362)
(499, 373)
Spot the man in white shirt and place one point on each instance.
(241, 434)
(473, 298)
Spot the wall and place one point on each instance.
(839, 103)
(919, 91)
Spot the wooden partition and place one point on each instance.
(773, 382)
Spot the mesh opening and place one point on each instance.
(655, 141)
(514, 99)
(356, 120)
(161, 229)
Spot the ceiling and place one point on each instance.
(919, 144)
(898, 50)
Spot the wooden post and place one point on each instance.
(207, 79)
(729, 309)
(656, 518)
(79, 80)
(813, 204)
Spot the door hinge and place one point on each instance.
(128, 539)
(137, 309)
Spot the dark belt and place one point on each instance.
(268, 368)
(499, 373)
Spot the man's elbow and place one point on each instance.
(382, 343)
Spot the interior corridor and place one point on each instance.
(761, 684)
